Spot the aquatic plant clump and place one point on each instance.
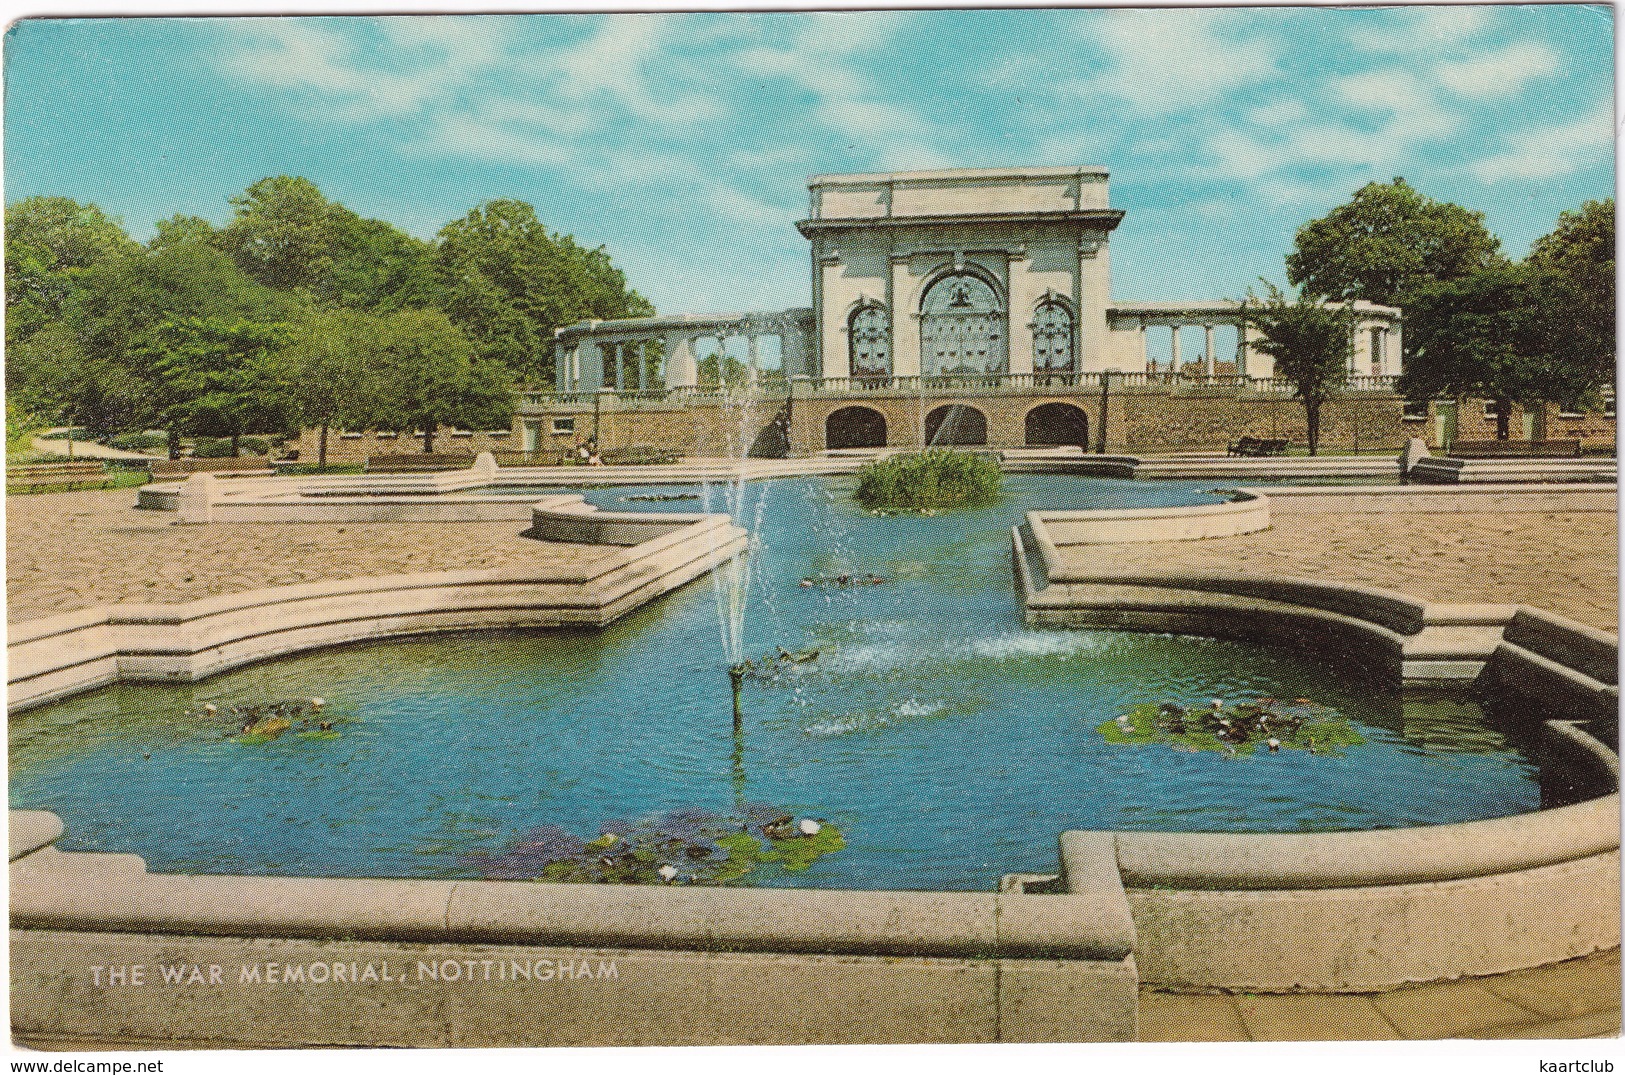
(1235, 731)
(932, 480)
(688, 846)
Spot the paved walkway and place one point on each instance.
(67, 551)
(1576, 999)
(1565, 562)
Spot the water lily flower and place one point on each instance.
(668, 873)
(809, 827)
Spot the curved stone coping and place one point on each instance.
(31, 830)
(1248, 512)
(1441, 469)
(1440, 499)
(1231, 861)
(572, 519)
(1385, 608)
(56, 656)
(58, 890)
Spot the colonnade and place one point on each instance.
(655, 353)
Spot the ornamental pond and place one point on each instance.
(946, 741)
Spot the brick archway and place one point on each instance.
(956, 423)
(855, 427)
(1050, 424)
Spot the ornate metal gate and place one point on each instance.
(962, 327)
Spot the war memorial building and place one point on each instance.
(966, 306)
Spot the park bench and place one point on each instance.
(44, 475)
(1256, 446)
(418, 462)
(237, 466)
(1515, 449)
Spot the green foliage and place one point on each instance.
(1311, 344)
(220, 377)
(140, 442)
(21, 426)
(212, 448)
(508, 283)
(1388, 242)
(50, 242)
(1510, 334)
(1579, 254)
(722, 371)
(427, 376)
(1299, 725)
(692, 846)
(927, 481)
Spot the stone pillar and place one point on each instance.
(834, 352)
(590, 357)
(1241, 348)
(620, 366)
(1094, 296)
(1395, 362)
(561, 366)
(905, 327)
(751, 358)
(793, 344)
(1360, 353)
(196, 501)
(680, 367)
(1024, 300)
(1259, 363)
(1173, 351)
(1145, 350)
(1208, 358)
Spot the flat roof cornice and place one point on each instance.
(1100, 218)
(953, 174)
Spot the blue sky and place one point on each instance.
(683, 142)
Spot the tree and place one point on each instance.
(222, 378)
(1580, 253)
(1311, 342)
(1388, 242)
(335, 356)
(288, 236)
(1509, 335)
(180, 229)
(508, 283)
(429, 376)
(49, 242)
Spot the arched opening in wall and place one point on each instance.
(855, 427)
(1051, 424)
(869, 341)
(962, 327)
(955, 424)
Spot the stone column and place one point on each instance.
(1208, 358)
(1361, 351)
(905, 327)
(590, 364)
(561, 366)
(834, 351)
(751, 358)
(1094, 296)
(1024, 300)
(1145, 350)
(680, 368)
(1173, 351)
(1241, 348)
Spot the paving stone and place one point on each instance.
(1566, 562)
(1593, 1025)
(1563, 990)
(1313, 1017)
(1450, 1010)
(68, 551)
(1189, 1017)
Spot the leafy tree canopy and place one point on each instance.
(1386, 243)
(428, 376)
(1508, 334)
(508, 283)
(288, 236)
(1311, 344)
(49, 242)
(222, 377)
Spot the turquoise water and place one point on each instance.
(948, 742)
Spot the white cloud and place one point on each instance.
(1502, 73)
(1548, 151)
(1184, 60)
